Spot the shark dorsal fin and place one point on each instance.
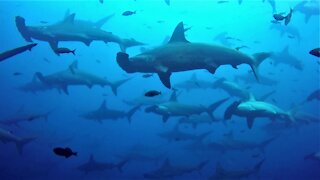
(91, 159)
(73, 67)
(166, 164)
(102, 21)
(103, 106)
(173, 96)
(251, 97)
(178, 34)
(194, 77)
(69, 19)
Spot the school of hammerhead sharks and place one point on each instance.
(178, 54)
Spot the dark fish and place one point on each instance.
(128, 13)
(315, 52)
(147, 75)
(17, 73)
(279, 17)
(291, 37)
(64, 51)
(152, 93)
(46, 60)
(66, 152)
(18, 50)
(221, 2)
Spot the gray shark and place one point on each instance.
(74, 76)
(232, 88)
(93, 165)
(308, 8)
(7, 136)
(177, 135)
(169, 171)
(231, 144)
(105, 113)
(248, 79)
(284, 57)
(173, 108)
(193, 83)
(181, 55)
(222, 173)
(35, 86)
(71, 29)
(22, 117)
(313, 156)
(252, 109)
(315, 95)
(196, 120)
(288, 30)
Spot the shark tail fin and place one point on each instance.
(214, 106)
(258, 59)
(74, 51)
(132, 111)
(201, 165)
(257, 167)
(230, 110)
(22, 28)
(121, 164)
(115, 85)
(21, 143)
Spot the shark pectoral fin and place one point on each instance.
(65, 89)
(212, 68)
(165, 118)
(250, 122)
(87, 42)
(54, 46)
(165, 79)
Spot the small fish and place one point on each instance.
(152, 93)
(64, 51)
(291, 37)
(17, 74)
(66, 152)
(46, 60)
(101, 1)
(315, 52)
(147, 75)
(221, 2)
(128, 13)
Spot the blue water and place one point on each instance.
(247, 23)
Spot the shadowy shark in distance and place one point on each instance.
(93, 165)
(193, 83)
(222, 173)
(7, 136)
(288, 30)
(284, 57)
(181, 55)
(105, 113)
(169, 171)
(74, 76)
(308, 8)
(71, 29)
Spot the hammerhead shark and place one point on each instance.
(74, 76)
(93, 165)
(169, 171)
(71, 29)
(181, 55)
